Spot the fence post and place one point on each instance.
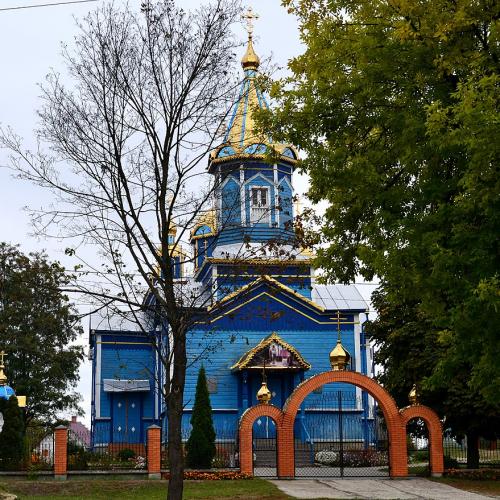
(60, 452)
(154, 452)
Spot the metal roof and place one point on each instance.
(338, 297)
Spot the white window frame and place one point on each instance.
(260, 214)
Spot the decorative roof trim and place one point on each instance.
(245, 360)
(274, 282)
(248, 156)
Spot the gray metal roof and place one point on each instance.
(114, 320)
(338, 297)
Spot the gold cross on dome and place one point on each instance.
(248, 17)
(341, 320)
(2, 355)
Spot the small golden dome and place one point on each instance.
(264, 394)
(250, 60)
(3, 377)
(339, 357)
(172, 228)
(413, 395)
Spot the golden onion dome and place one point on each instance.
(250, 60)
(264, 394)
(339, 357)
(209, 219)
(243, 139)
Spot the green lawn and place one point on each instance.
(491, 488)
(76, 489)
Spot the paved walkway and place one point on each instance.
(374, 489)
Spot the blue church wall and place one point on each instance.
(256, 233)
(230, 283)
(285, 204)
(220, 344)
(231, 204)
(123, 416)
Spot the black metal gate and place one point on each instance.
(264, 447)
(340, 434)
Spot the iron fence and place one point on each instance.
(455, 454)
(226, 448)
(99, 452)
(37, 452)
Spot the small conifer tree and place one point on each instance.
(12, 435)
(201, 443)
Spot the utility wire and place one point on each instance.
(46, 5)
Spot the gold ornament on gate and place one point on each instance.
(264, 394)
(413, 395)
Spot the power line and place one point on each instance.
(46, 5)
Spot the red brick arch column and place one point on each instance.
(245, 432)
(395, 426)
(435, 434)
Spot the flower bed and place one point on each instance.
(477, 474)
(210, 475)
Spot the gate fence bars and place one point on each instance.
(37, 452)
(264, 447)
(226, 448)
(338, 435)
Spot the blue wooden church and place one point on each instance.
(268, 312)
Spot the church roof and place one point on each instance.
(242, 139)
(268, 279)
(246, 360)
(338, 297)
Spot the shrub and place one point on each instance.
(126, 454)
(200, 446)
(476, 474)
(450, 463)
(353, 458)
(419, 456)
(12, 445)
(326, 457)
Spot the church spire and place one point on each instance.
(250, 60)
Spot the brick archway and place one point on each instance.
(245, 432)
(396, 425)
(436, 461)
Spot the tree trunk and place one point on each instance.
(175, 406)
(472, 450)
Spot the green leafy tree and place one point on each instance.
(12, 435)
(408, 349)
(201, 443)
(396, 106)
(38, 324)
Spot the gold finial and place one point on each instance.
(413, 395)
(172, 228)
(264, 394)
(3, 377)
(250, 60)
(339, 357)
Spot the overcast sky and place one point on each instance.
(30, 46)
